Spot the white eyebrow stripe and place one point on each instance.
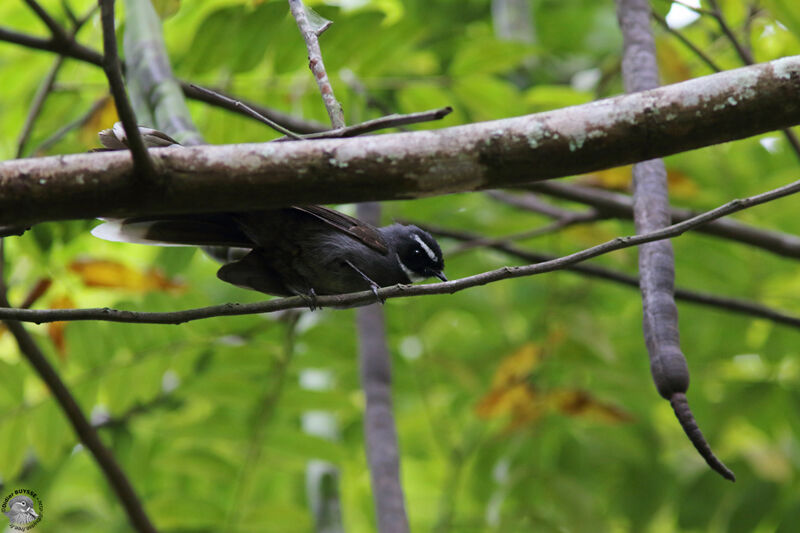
(425, 247)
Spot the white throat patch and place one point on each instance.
(412, 276)
(425, 247)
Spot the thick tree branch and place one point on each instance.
(502, 153)
(398, 291)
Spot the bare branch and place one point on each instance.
(389, 121)
(315, 63)
(75, 50)
(37, 104)
(484, 155)
(56, 30)
(747, 58)
(77, 123)
(531, 203)
(47, 84)
(295, 124)
(733, 305)
(84, 430)
(213, 95)
(621, 206)
(687, 43)
(142, 163)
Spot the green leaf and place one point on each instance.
(49, 433)
(547, 97)
(488, 98)
(13, 445)
(787, 12)
(488, 56)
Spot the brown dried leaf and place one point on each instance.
(112, 274)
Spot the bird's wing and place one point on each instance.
(366, 233)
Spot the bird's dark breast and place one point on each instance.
(302, 254)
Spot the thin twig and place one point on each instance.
(743, 53)
(698, 10)
(64, 130)
(246, 109)
(70, 13)
(111, 65)
(351, 80)
(56, 30)
(389, 121)
(552, 227)
(38, 103)
(723, 303)
(747, 58)
(397, 291)
(687, 43)
(292, 123)
(621, 206)
(47, 85)
(315, 63)
(530, 203)
(84, 430)
(77, 51)
(68, 48)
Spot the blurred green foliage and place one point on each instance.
(187, 403)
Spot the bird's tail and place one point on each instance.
(178, 230)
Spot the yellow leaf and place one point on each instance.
(619, 179)
(111, 274)
(511, 394)
(104, 117)
(55, 330)
(671, 66)
(517, 366)
(680, 184)
(614, 179)
(574, 402)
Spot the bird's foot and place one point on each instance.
(310, 299)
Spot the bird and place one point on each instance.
(298, 250)
(20, 510)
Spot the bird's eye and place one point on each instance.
(417, 251)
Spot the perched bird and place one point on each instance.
(298, 250)
(307, 251)
(20, 510)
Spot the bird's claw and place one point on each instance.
(310, 299)
(374, 287)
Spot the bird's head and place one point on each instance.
(417, 252)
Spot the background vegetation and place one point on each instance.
(525, 405)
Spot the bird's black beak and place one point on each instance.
(439, 274)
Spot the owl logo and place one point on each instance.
(21, 509)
